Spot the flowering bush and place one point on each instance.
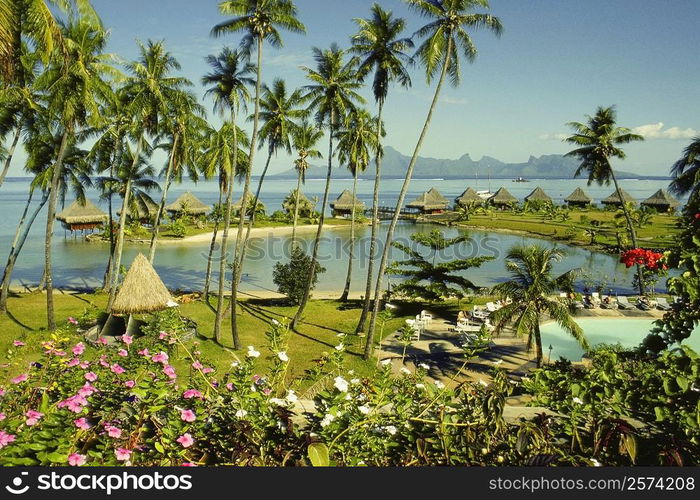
(652, 261)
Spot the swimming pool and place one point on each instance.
(626, 332)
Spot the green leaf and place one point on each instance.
(659, 412)
(630, 446)
(159, 447)
(682, 383)
(318, 455)
(575, 390)
(44, 406)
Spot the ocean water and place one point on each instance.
(80, 264)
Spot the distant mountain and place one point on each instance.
(395, 164)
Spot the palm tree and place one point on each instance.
(379, 45)
(306, 137)
(75, 87)
(357, 145)
(597, 142)
(229, 78)
(446, 39)
(686, 171)
(278, 111)
(531, 288)
(332, 95)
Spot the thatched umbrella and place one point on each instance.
(503, 198)
(661, 201)
(80, 217)
(188, 204)
(578, 198)
(344, 204)
(430, 202)
(539, 196)
(614, 199)
(469, 197)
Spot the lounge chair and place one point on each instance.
(662, 304)
(609, 303)
(624, 303)
(480, 313)
(491, 307)
(643, 304)
(426, 317)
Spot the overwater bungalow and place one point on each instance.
(306, 206)
(469, 197)
(614, 200)
(578, 199)
(503, 199)
(538, 196)
(343, 205)
(82, 217)
(430, 202)
(236, 207)
(662, 202)
(188, 204)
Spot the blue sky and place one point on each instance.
(556, 61)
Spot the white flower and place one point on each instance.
(363, 409)
(351, 372)
(341, 384)
(391, 429)
(291, 396)
(241, 414)
(483, 383)
(595, 463)
(278, 402)
(283, 356)
(405, 370)
(578, 401)
(497, 362)
(340, 348)
(235, 364)
(355, 381)
(420, 386)
(341, 335)
(385, 362)
(275, 322)
(252, 353)
(439, 384)
(424, 366)
(327, 419)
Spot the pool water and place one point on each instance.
(626, 332)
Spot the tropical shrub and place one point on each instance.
(292, 278)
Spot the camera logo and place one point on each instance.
(16, 488)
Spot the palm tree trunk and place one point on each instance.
(321, 221)
(163, 198)
(630, 228)
(17, 244)
(223, 258)
(10, 154)
(110, 262)
(120, 244)
(538, 344)
(50, 218)
(240, 251)
(369, 346)
(296, 211)
(351, 256)
(375, 224)
(207, 280)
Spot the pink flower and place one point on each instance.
(122, 454)
(113, 432)
(90, 376)
(72, 320)
(74, 403)
(2, 416)
(102, 340)
(84, 365)
(123, 353)
(2, 392)
(20, 378)
(207, 370)
(18, 343)
(192, 393)
(33, 417)
(162, 335)
(73, 362)
(267, 391)
(76, 459)
(127, 339)
(6, 438)
(161, 357)
(229, 386)
(78, 349)
(82, 423)
(144, 352)
(188, 464)
(188, 416)
(86, 390)
(185, 440)
(116, 369)
(197, 365)
(169, 371)
(130, 383)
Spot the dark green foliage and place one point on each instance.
(292, 278)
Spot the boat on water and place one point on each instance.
(520, 179)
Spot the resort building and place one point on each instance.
(662, 202)
(188, 204)
(469, 198)
(87, 217)
(614, 200)
(539, 197)
(430, 202)
(306, 206)
(343, 205)
(238, 205)
(579, 199)
(503, 199)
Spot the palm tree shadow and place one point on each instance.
(14, 319)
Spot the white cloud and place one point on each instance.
(657, 131)
(553, 137)
(456, 101)
(291, 60)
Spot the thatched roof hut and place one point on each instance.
(188, 204)
(430, 202)
(661, 201)
(539, 196)
(236, 207)
(469, 197)
(343, 205)
(503, 198)
(306, 206)
(142, 290)
(614, 199)
(80, 217)
(578, 198)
